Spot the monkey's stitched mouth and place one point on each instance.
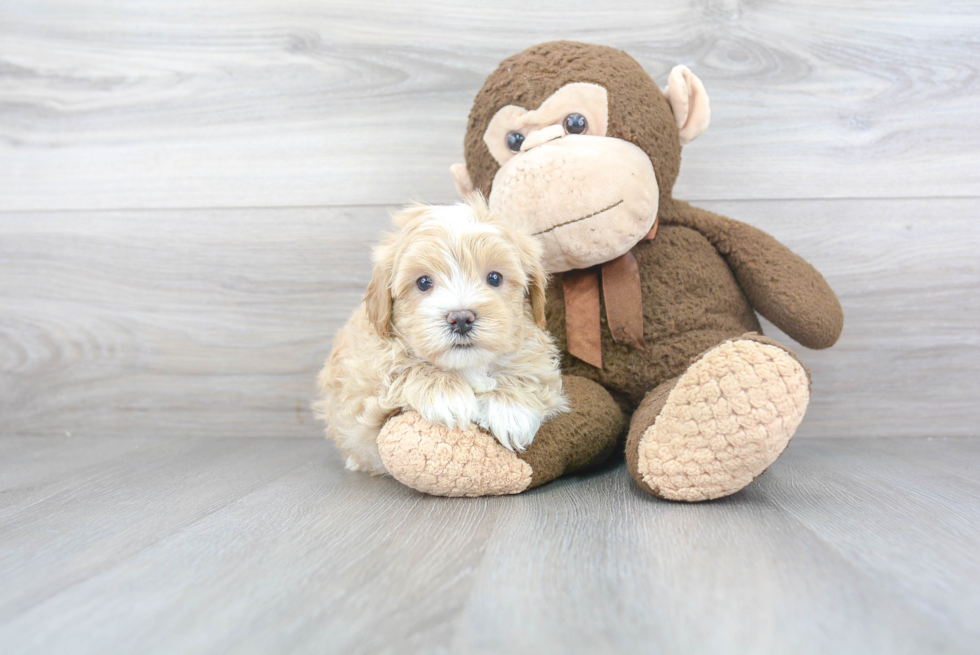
(576, 220)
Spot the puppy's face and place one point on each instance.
(458, 286)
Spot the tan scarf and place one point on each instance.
(624, 305)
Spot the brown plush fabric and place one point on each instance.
(580, 439)
(778, 282)
(691, 302)
(643, 418)
(701, 281)
(638, 112)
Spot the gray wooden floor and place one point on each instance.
(173, 545)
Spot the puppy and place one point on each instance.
(452, 327)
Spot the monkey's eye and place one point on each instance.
(424, 283)
(495, 279)
(514, 141)
(576, 124)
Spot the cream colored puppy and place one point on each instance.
(452, 327)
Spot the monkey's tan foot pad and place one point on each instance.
(443, 462)
(725, 421)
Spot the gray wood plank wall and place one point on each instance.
(188, 195)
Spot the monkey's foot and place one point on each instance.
(713, 430)
(470, 462)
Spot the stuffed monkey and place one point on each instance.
(653, 302)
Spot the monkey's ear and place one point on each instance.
(378, 300)
(689, 102)
(461, 176)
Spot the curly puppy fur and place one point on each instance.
(402, 350)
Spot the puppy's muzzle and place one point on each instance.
(461, 321)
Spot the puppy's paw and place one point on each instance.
(513, 425)
(453, 408)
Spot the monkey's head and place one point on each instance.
(578, 142)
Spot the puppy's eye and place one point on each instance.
(514, 141)
(576, 124)
(424, 283)
(495, 279)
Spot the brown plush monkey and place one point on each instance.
(652, 302)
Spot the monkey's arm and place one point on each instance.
(780, 284)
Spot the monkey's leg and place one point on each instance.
(714, 429)
(470, 462)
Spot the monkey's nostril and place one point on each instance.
(461, 320)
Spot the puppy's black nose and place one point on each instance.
(461, 321)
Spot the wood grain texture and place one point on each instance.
(175, 483)
(302, 102)
(267, 545)
(216, 322)
(736, 576)
(36, 469)
(917, 541)
(164, 322)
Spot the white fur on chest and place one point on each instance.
(479, 379)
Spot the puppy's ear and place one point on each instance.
(536, 287)
(408, 217)
(378, 300)
(537, 277)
